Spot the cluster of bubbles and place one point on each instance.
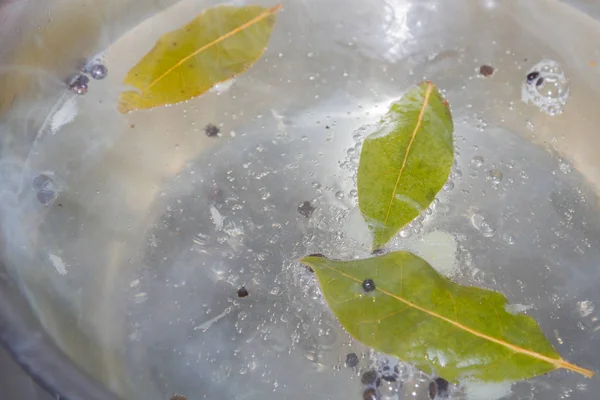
(352, 158)
(387, 378)
(546, 87)
(493, 175)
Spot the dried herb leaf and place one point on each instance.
(405, 163)
(220, 43)
(423, 318)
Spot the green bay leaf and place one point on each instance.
(405, 162)
(423, 318)
(220, 43)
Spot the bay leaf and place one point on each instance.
(405, 162)
(415, 314)
(220, 43)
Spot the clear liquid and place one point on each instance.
(153, 225)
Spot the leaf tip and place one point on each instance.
(381, 236)
(428, 84)
(123, 108)
(575, 368)
(316, 255)
(376, 251)
(308, 261)
(305, 259)
(126, 103)
(431, 86)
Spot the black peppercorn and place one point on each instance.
(368, 285)
(539, 82)
(211, 130)
(532, 76)
(351, 360)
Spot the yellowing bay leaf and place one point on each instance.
(220, 43)
(413, 313)
(405, 162)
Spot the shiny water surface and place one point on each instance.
(159, 247)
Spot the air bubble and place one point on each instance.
(79, 85)
(508, 238)
(370, 378)
(264, 194)
(530, 125)
(481, 124)
(546, 87)
(353, 193)
(448, 186)
(275, 291)
(406, 233)
(390, 389)
(370, 394)
(42, 182)
(339, 195)
(417, 227)
(494, 175)
(140, 297)
(45, 197)
(98, 71)
(45, 190)
(585, 308)
(477, 162)
(479, 223)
